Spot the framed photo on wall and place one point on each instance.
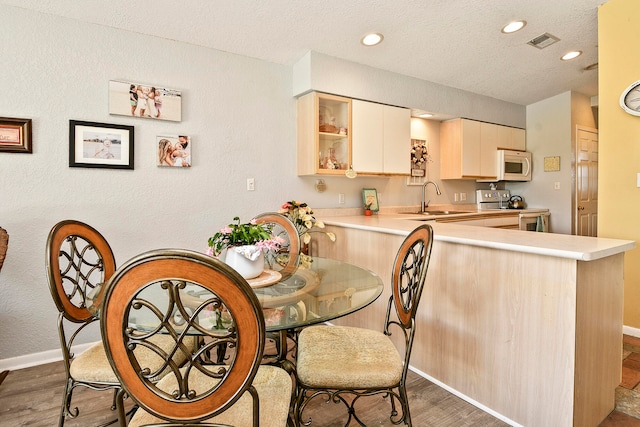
(144, 100)
(100, 145)
(15, 135)
(370, 197)
(174, 151)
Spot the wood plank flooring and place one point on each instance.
(32, 397)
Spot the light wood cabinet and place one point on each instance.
(335, 132)
(381, 138)
(460, 149)
(468, 148)
(509, 138)
(324, 134)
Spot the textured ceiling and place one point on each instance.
(456, 43)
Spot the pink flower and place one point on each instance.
(226, 230)
(209, 251)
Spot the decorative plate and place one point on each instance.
(267, 278)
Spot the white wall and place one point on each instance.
(324, 73)
(551, 128)
(548, 135)
(239, 111)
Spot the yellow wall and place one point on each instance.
(619, 136)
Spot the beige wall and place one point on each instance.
(619, 157)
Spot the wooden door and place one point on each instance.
(586, 203)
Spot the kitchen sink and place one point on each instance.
(438, 212)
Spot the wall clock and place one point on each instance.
(630, 99)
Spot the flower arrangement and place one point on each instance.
(419, 154)
(237, 234)
(301, 215)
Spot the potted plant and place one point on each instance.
(367, 209)
(242, 246)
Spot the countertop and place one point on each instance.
(550, 244)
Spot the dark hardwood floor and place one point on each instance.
(32, 397)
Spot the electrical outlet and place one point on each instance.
(251, 184)
(556, 185)
(341, 199)
(463, 197)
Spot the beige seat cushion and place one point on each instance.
(273, 385)
(92, 365)
(340, 357)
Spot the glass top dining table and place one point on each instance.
(318, 291)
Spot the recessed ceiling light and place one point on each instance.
(372, 39)
(514, 26)
(570, 55)
(425, 115)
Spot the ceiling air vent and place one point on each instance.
(543, 41)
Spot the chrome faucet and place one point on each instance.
(424, 205)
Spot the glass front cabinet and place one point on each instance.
(324, 134)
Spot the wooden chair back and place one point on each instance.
(285, 260)
(4, 243)
(78, 260)
(409, 274)
(153, 286)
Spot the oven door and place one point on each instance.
(537, 221)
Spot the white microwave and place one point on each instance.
(514, 165)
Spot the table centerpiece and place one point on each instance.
(242, 246)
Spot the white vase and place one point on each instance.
(246, 260)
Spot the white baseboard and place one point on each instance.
(466, 398)
(628, 330)
(41, 358)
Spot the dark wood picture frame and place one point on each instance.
(100, 145)
(15, 135)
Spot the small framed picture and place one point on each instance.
(370, 198)
(174, 151)
(15, 135)
(144, 100)
(100, 145)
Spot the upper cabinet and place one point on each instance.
(324, 134)
(381, 138)
(468, 148)
(335, 132)
(509, 138)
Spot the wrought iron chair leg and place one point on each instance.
(66, 403)
(119, 398)
(406, 415)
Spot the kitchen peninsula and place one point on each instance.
(525, 325)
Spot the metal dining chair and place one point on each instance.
(285, 260)
(4, 243)
(79, 260)
(145, 298)
(344, 364)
